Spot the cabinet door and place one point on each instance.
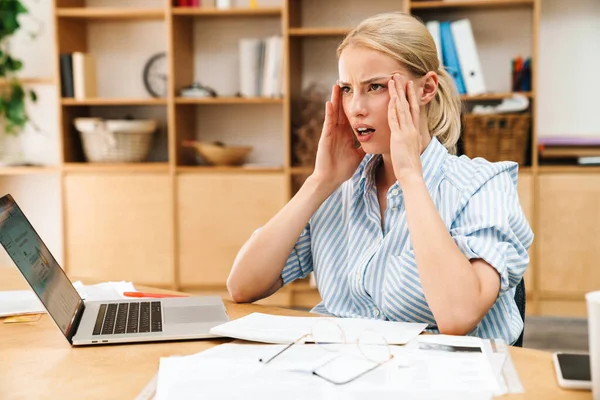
(217, 214)
(120, 227)
(525, 189)
(569, 233)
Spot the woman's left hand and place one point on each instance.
(405, 137)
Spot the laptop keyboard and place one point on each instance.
(135, 317)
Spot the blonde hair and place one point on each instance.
(407, 40)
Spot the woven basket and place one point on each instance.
(496, 137)
(101, 143)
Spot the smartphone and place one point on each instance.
(573, 370)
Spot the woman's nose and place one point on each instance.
(357, 106)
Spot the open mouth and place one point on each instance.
(365, 131)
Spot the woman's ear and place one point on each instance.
(430, 86)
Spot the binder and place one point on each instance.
(449, 55)
(468, 57)
(272, 67)
(250, 66)
(434, 29)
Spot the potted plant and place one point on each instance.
(13, 96)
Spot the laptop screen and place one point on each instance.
(37, 265)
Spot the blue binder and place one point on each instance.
(450, 57)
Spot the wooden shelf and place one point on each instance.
(32, 81)
(234, 12)
(38, 170)
(432, 5)
(301, 170)
(201, 169)
(228, 100)
(493, 96)
(558, 169)
(110, 13)
(116, 167)
(113, 102)
(308, 32)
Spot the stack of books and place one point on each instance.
(569, 150)
(261, 67)
(78, 75)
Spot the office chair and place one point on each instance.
(520, 299)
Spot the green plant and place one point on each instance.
(13, 112)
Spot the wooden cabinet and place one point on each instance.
(569, 235)
(216, 214)
(119, 227)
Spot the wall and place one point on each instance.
(568, 65)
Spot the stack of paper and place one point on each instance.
(265, 328)
(413, 373)
(19, 302)
(23, 302)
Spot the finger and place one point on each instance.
(413, 102)
(401, 103)
(328, 124)
(340, 115)
(335, 94)
(392, 113)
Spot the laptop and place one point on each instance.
(101, 322)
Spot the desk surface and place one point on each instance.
(37, 362)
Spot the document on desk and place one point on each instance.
(232, 371)
(104, 291)
(20, 302)
(24, 302)
(455, 362)
(265, 328)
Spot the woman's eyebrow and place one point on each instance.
(370, 80)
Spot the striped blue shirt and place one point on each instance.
(363, 269)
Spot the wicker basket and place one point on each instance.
(114, 141)
(496, 137)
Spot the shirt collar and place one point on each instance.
(431, 160)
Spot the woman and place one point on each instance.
(396, 226)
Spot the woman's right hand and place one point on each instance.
(337, 155)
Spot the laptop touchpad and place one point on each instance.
(191, 314)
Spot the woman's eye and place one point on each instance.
(345, 89)
(376, 87)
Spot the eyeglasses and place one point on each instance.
(331, 337)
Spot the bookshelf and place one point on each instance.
(188, 221)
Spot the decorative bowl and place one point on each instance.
(217, 153)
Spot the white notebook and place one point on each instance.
(265, 328)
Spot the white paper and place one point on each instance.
(20, 302)
(232, 371)
(447, 368)
(266, 328)
(104, 291)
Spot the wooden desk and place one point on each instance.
(37, 362)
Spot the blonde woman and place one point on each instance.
(398, 227)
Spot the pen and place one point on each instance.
(153, 295)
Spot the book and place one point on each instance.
(84, 76)
(66, 75)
